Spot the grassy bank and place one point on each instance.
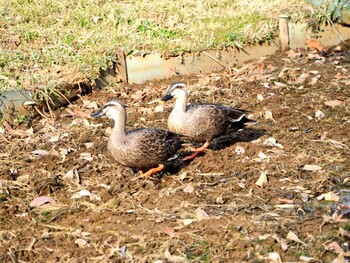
(39, 38)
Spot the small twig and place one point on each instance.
(215, 59)
(63, 96)
(49, 108)
(31, 245)
(211, 174)
(40, 112)
(341, 145)
(55, 227)
(10, 253)
(241, 71)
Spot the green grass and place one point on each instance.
(39, 35)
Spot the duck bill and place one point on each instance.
(97, 114)
(167, 97)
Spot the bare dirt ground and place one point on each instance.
(277, 191)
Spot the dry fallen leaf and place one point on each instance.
(274, 257)
(41, 200)
(159, 108)
(63, 152)
(264, 237)
(272, 142)
(219, 200)
(90, 104)
(280, 84)
(39, 152)
(262, 155)
(189, 189)
(173, 258)
(301, 79)
(88, 145)
(260, 97)
(81, 193)
(239, 150)
(284, 245)
(293, 54)
(187, 222)
(333, 103)
(201, 214)
(338, 48)
(314, 80)
(86, 123)
(312, 167)
(340, 259)
(17, 132)
(294, 237)
(315, 45)
(183, 176)
(262, 179)
(55, 137)
(330, 196)
(285, 201)
(344, 232)
(307, 259)
(169, 231)
(334, 246)
(269, 116)
(81, 242)
(70, 174)
(319, 114)
(86, 156)
(340, 76)
(304, 197)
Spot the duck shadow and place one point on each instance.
(175, 165)
(229, 139)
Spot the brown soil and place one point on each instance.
(208, 210)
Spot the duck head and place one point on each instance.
(175, 90)
(112, 109)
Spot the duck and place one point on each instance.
(145, 148)
(201, 122)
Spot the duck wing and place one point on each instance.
(223, 114)
(149, 147)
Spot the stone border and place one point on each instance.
(155, 66)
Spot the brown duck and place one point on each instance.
(145, 149)
(201, 122)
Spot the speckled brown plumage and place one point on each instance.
(144, 148)
(204, 122)
(140, 148)
(201, 122)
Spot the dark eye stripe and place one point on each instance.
(174, 86)
(112, 104)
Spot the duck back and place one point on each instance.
(144, 148)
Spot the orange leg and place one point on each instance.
(197, 151)
(151, 171)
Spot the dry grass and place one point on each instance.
(37, 36)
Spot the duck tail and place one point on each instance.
(248, 122)
(243, 122)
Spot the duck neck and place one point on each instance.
(118, 131)
(180, 104)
